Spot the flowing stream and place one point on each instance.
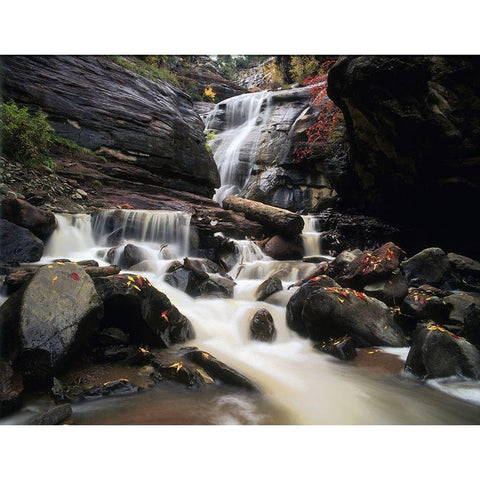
(299, 384)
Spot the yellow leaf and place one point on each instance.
(54, 279)
(131, 278)
(60, 263)
(138, 288)
(50, 266)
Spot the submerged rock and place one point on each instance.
(262, 327)
(437, 353)
(115, 387)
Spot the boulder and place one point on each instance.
(268, 287)
(53, 416)
(282, 248)
(331, 312)
(431, 266)
(437, 353)
(132, 304)
(471, 329)
(11, 388)
(457, 307)
(464, 266)
(342, 348)
(127, 256)
(342, 260)
(297, 300)
(262, 327)
(424, 306)
(52, 316)
(18, 245)
(371, 266)
(391, 290)
(217, 287)
(40, 222)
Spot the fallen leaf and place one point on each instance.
(54, 279)
(75, 276)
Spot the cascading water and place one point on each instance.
(304, 386)
(311, 237)
(235, 147)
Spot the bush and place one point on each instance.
(23, 137)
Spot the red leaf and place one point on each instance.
(75, 276)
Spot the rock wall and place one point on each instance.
(414, 130)
(149, 128)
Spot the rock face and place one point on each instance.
(17, 244)
(414, 133)
(53, 316)
(149, 128)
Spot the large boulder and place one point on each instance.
(51, 318)
(148, 127)
(424, 306)
(458, 305)
(390, 290)
(431, 266)
(18, 245)
(40, 222)
(126, 256)
(414, 134)
(133, 305)
(464, 266)
(331, 312)
(281, 248)
(437, 353)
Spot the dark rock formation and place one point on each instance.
(284, 248)
(428, 266)
(262, 327)
(129, 255)
(342, 348)
(424, 306)
(11, 387)
(437, 353)
(414, 133)
(268, 287)
(390, 290)
(18, 245)
(149, 128)
(40, 222)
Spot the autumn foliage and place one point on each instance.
(322, 135)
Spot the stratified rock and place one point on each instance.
(437, 353)
(391, 290)
(431, 266)
(54, 315)
(17, 244)
(132, 304)
(281, 248)
(342, 348)
(268, 287)
(40, 222)
(148, 127)
(262, 327)
(11, 387)
(331, 312)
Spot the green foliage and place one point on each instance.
(210, 137)
(230, 64)
(25, 138)
(153, 67)
(66, 142)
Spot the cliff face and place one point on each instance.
(414, 130)
(149, 129)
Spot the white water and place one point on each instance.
(311, 237)
(234, 148)
(312, 388)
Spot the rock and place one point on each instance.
(268, 287)
(457, 306)
(371, 266)
(113, 353)
(185, 280)
(463, 265)
(132, 304)
(127, 256)
(148, 129)
(331, 312)
(18, 245)
(40, 222)
(297, 300)
(11, 388)
(338, 265)
(54, 315)
(392, 290)
(58, 392)
(281, 248)
(178, 371)
(54, 416)
(318, 271)
(424, 306)
(437, 353)
(113, 388)
(113, 336)
(342, 348)
(262, 327)
(431, 266)
(82, 193)
(217, 287)
(471, 321)
(219, 370)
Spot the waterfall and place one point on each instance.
(311, 237)
(235, 147)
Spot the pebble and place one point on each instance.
(81, 192)
(146, 370)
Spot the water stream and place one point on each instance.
(299, 384)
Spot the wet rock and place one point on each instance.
(268, 287)
(371, 266)
(113, 336)
(318, 271)
(113, 353)
(428, 266)
(116, 387)
(88, 263)
(217, 287)
(219, 370)
(185, 280)
(342, 348)
(127, 256)
(457, 306)
(173, 266)
(331, 312)
(58, 392)
(11, 388)
(178, 371)
(18, 245)
(464, 266)
(391, 290)
(282, 248)
(54, 416)
(471, 329)
(342, 260)
(132, 304)
(262, 327)
(54, 315)
(424, 306)
(437, 353)
(40, 222)
(297, 300)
